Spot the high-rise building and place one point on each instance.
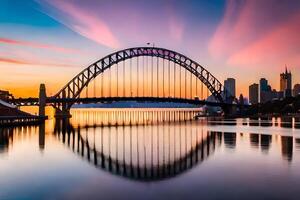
(241, 99)
(229, 85)
(286, 83)
(263, 88)
(253, 93)
(263, 85)
(296, 90)
(265, 91)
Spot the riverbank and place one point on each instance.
(21, 120)
(12, 116)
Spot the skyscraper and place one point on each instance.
(296, 90)
(241, 100)
(263, 85)
(286, 83)
(253, 93)
(263, 88)
(229, 85)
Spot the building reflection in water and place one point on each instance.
(230, 140)
(297, 144)
(254, 140)
(266, 121)
(297, 122)
(287, 147)
(6, 138)
(254, 121)
(286, 122)
(10, 135)
(265, 142)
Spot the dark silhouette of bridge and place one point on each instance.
(144, 74)
(142, 165)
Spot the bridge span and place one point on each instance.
(143, 74)
(86, 100)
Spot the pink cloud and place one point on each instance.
(219, 40)
(257, 32)
(176, 29)
(175, 24)
(86, 23)
(32, 62)
(36, 45)
(242, 23)
(12, 60)
(279, 46)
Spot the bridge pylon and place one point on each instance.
(42, 100)
(62, 111)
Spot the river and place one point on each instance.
(151, 154)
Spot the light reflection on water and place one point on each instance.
(133, 116)
(151, 155)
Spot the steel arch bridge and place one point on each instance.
(75, 86)
(187, 75)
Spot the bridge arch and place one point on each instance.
(75, 86)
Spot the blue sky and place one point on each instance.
(237, 39)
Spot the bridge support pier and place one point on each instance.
(42, 100)
(62, 114)
(62, 111)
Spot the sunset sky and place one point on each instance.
(50, 41)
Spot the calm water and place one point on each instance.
(153, 154)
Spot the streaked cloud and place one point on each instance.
(278, 47)
(239, 38)
(254, 32)
(19, 61)
(175, 24)
(224, 32)
(10, 41)
(176, 29)
(85, 23)
(13, 60)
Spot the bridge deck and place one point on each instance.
(52, 100)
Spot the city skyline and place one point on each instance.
(135, 99)
(263, 92)
(51, 41)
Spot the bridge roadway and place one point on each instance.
(53, 100)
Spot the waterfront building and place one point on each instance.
(263, 85)
(286, 83)
(264, 90)
(229, 85)
(4, 95)
(253, 93)
(296, 90)
(241, 99)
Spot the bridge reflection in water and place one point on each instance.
(143, 149)
(142, 153)
(85, 157)
(153, 144)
